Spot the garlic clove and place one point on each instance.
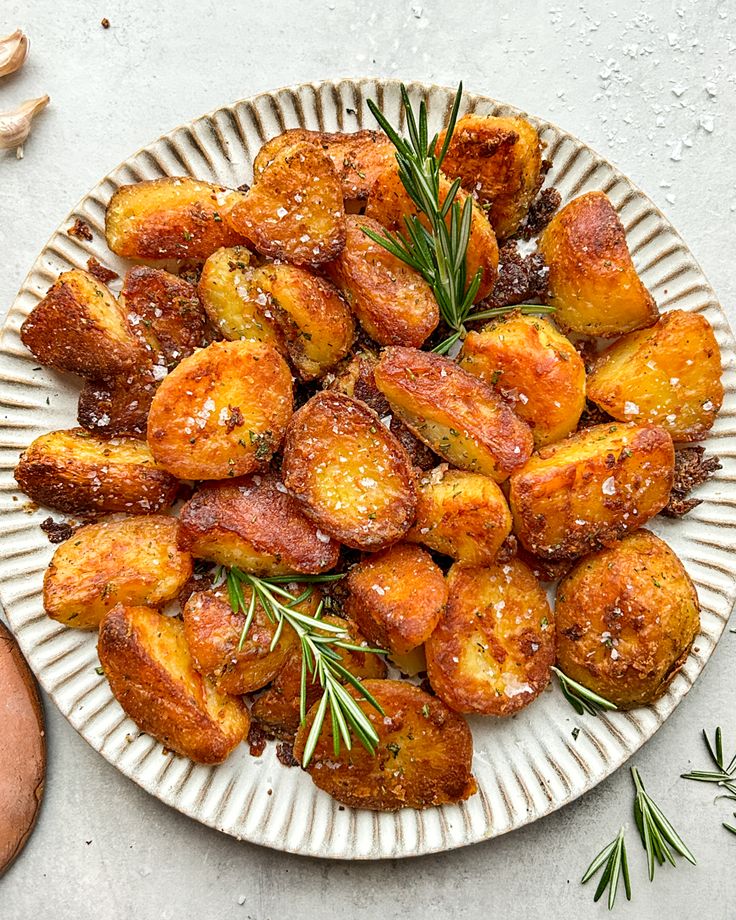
(13, 52)
(15, 126)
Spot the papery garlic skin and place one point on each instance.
(15, 126)
(13, 52)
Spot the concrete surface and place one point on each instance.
(650, 85)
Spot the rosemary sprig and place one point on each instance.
(656, 832)
(725, 775)
(580, 698)
(437, 251)
(613, 857)
(321, 660)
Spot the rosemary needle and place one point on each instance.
(725, 775)
(580, 698)
(320, 643)
(613, 858)
(656, 832)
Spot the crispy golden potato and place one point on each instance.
(592, 281)
(234, 308)
(213, 631)
(222, 412)
(165, 312)
(316, 325)
(668, 375)
(453, 412)
(118, 407)
(588, 491)
(294, 211)
(495, 643)
(353, 478)
(172, 218)
(80, 327)
(254, 524)
(499, 160)
(533, 367)
(277, 709)
(389, 203)
(396, 597)
(77, 473)
(132, 561)
(393, 303)
(358, 157)
(146, 660)
(424, 755)
(626, 619)
(463, 515)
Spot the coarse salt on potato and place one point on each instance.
(176, 217)
(147, 662)
(423, 758)
(462, 515)
(78, 473)
(593, 284)
(80, 327)
(591, 489)
(222, 412)
(294, 210)
(117, 407)
(493, 648)
(393, 303)
(254, 524)
(131, 561)
(352, 477)
(459, 416)
(396, 597)
(668, 375)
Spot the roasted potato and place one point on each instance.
(359, 157)
(213, 631)
(626, 618)
(424, 755)
(396, 597)
(592, 281)
(118, 407)
(588, 491)
(668, 375)
(78, 473)
(226, 293)
(533, 367)
(463, 515)
(499, 160)
(315, 323)
(146, 660)
(453, 412)
(253, 523)
(351, 475)
(80, 327)
(165, 312)
(132, 561)
(393, 303)
(172, 218)
(294, 211)
(277, 709)
(495, 643)
(222, 412)
(389, 203)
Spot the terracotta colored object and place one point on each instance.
(22, 753)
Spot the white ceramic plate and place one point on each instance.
(526, 766)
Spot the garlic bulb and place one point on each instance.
(13, 52)
(15, 126)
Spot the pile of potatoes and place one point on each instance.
(286, 396)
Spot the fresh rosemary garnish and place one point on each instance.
(437, 251)
(725, 775)
(613, 856)
(321, 659)
(656, 832)
(580, 698)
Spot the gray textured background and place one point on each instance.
(648, 84)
